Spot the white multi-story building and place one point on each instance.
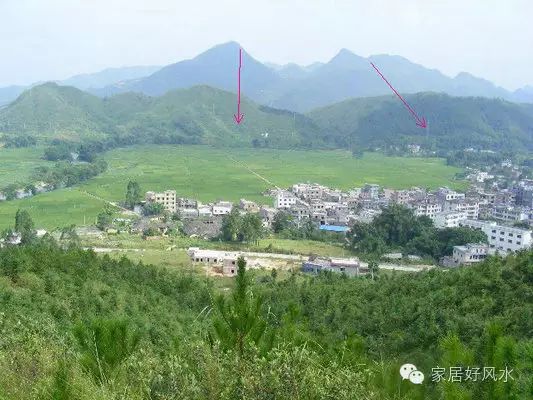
(502, 238)
(166, 198)
(222, 208)
(467, 255)
(284, 199)
(470, 207)
(427, 208)
(446, 194)
(509, 213)
(449, 219)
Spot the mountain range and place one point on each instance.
(109, 76)
(298, 88)
(204, 115)
(291, 87)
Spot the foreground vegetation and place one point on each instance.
(77, 325)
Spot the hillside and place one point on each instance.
(298, 88)
(200, 115)
(159, 333)
(453, 123)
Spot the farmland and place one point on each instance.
(208, 174)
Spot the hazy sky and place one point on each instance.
(53, 39)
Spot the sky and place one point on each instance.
(55, 39)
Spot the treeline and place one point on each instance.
(18, 141)
(62, 174)
(166, 335)
(398, 229)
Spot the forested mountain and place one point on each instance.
(204, 115)
(162, 334)
(197, 115)
(453, 123)
(298, 88)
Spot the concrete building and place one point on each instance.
(469, 206)
(166, 198)
(350, 267)
(510, 213)
(284, 199)
(427, 208)
(502, 238)
(401, 196)
(222, 207)
(469, 254)
(524, 196)
(446, 194)
(248, 206)
(449, 219)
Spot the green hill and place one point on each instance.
(79, 326)
(204, 115)
(453, 122)
(199, 115)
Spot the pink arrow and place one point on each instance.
(421, 122)
(239, 117)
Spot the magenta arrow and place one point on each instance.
(421, 122)
(239, 117)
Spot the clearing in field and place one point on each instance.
(209, 174)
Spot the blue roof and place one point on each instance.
(334, 228)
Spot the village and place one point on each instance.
(505, 216)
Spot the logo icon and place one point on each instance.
(409, 371)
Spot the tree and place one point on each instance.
(25, 226)
(133, 194)
(231, 225)
(251, 229)
(239, 322)
(70, 236)
(104, 345)
(153, 209)
(281, 221)
(104, 219)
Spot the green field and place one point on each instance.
(16, 165)
(209, 173)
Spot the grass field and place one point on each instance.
(209, 174)
(16, 165)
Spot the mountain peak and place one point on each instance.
(345, 58)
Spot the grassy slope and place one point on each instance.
(209, 174)
(16, 165)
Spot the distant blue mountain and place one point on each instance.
(300, 88)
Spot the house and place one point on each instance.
(469, 254)
(222, 207)
(428, 208)
(284, 199)
(400, 196)
(510, 213)
(469, 206)
(502, 238)
(166, 198)
(225, 260)
(248, 206)
(445, 194)
(449, 219)
(350, 267)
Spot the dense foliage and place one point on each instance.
(397, 228)
(77, 325)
